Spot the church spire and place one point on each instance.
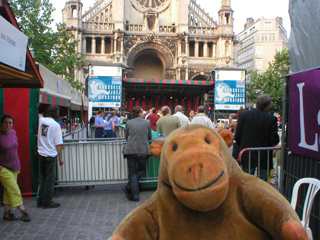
(225, 13)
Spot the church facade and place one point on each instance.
(153, 39)
(171, 39)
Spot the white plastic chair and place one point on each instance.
(314, 186)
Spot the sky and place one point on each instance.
(243, 9)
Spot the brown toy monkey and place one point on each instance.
(203, 194)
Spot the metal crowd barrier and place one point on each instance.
(98, 162)
(275, 178)
(79, 133)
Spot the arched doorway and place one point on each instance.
(149, 64)
(200, 77)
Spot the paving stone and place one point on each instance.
(91, 214)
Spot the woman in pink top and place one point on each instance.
(9, 170)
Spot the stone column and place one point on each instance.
(214, 45)
(118, 44)
(84, 45)
(183, 47)
(196, 49)
(103, 46)
(93, 45)
(187, 48)
(115, 40)
(205, 49)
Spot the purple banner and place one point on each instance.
(305, 114)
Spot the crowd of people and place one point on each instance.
(105, 125)
(253, 128)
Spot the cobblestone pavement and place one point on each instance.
(84, 214)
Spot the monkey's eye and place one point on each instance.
(207, 140)
(174, 147)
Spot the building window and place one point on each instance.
(264, 38)
(277, 48)
(98, 45)
(88, 44)
(74, 12)
(210, 49)
(259, 64)
(272, 37)
(267, 25)
(191, 20)
(227, 17)
(107, 43)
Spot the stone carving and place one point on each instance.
(151, 37)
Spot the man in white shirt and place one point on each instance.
(49, 146)
(182, 118)
(201, 118)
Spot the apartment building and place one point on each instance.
(258, 43)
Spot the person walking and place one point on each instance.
(167, 123)
(49, 147)
(153, 119)
(99, 124)
(257, 128)
(184, 120)
(9, 170)
(201, 118)
(137, 151)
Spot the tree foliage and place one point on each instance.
(56, 50)
(64, 56)
(271, 81)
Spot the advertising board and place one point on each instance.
(229, 89)
(305, 114)
(105, 86)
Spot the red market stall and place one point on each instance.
(19, 97)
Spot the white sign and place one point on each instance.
(13, 45)
(230, 75)
(105, 71)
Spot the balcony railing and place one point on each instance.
(134, 27)
(202, 31)
(98, 26)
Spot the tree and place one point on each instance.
(271, 81)
(56, 50)
(65, 57)
(34, 18)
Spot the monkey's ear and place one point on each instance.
(156, 147)
(227, 136)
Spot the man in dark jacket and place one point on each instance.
(257, 128)
(138, 134)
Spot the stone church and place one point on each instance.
(154, 39)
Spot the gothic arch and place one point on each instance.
(163, 52)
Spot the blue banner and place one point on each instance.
(230, 95)
(229, 89)
(105, 91)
